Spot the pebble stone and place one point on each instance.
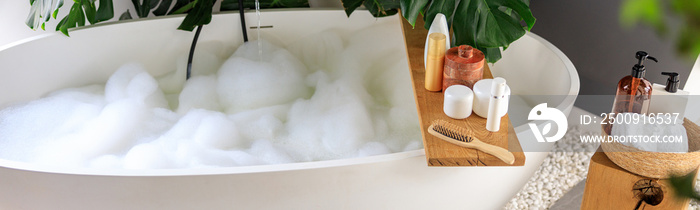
(562, 169)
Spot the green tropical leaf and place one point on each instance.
(74, 18)
(351, 5)
(80, 17)
(683, 186)
(33, 17)
(105, 11)
(383, 8)
(153, 4)
(90, 11)
(142, 8)
(179, 4)
(145, 8)
(125, 16)
(229, 5)
(199, 15)
(184, 8)
(57, 6)
(485, 24)
(163, 7)
(647, 11)
(46, 10)
(41, 11)
(61, 23)
(446, 7)
(410, 9)
(492, 54)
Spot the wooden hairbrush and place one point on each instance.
(463, 137)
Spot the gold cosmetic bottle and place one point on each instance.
(435, 62)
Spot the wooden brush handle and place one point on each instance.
(496, 151)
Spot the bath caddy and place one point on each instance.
(611, 187)
(618, 174)
(437, 151)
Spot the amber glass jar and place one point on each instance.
(464, 65)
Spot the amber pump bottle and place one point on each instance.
(634, 91)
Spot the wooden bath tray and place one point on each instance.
(429, 104)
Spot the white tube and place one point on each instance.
(498, 90)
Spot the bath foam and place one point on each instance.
(268, 152)
(200, 92)
(335, 121)
(325, 98)
(206, 61)
(131, 81)
(246, 83)
(372, 148)
(60, 113)
(131, 114)
(317, 50)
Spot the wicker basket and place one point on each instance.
(657, 164)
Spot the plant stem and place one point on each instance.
(194, 45)
(240, 11)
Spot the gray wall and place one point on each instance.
(590, 34)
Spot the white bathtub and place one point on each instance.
(392, 181)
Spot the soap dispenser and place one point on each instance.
(634, 91)
(668, 99)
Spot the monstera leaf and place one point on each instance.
(41, 11)
(199, 15)
(446, 7)
(82, 10)
(490, 24)
(378, 8)
(487, 25)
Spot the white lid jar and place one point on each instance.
(482, 94)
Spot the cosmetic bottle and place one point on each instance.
(634, 91)
(498, 97)
(435, 63)
(668, 99)
(464, 65)
(439, 25)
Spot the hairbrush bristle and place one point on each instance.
(452, 131)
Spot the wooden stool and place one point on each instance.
(610, 187)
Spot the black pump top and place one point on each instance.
(638, 69)
(672, 82)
